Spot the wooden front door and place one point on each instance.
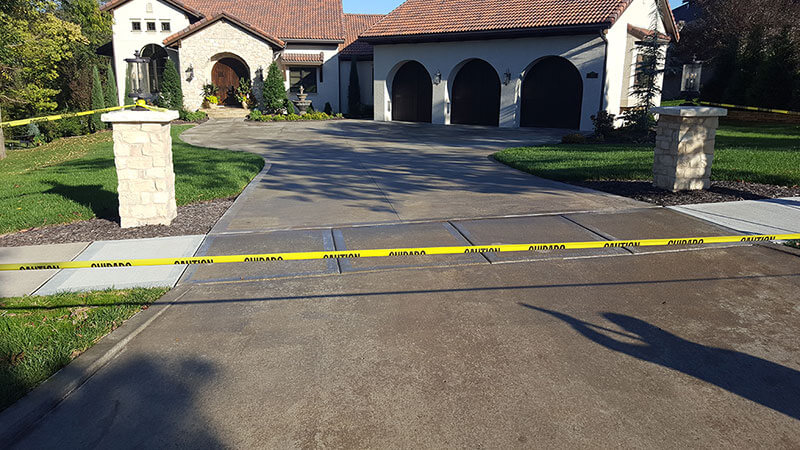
(225, 75)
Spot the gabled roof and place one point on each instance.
(436, 19)
(314, 20)
(641, 33)
(355, 24)
(302, 58)
(195, 27)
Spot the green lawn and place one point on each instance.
(761, 153)
(40, 335)
(74, 179)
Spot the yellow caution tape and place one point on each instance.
(21, 122)
(397, 252)
(752, 108)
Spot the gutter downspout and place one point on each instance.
(605, 71)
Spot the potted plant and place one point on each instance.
(209, 90)
(213, 100)
(243, 92)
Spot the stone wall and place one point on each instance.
(219, 40)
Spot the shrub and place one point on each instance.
(289, 107)
(574, 138)
(293, 117)
(190, 116)
(171, 92)
(274, 90)
(255, 115)
(244, 91)
(111, 94)
(98, 101)
(328, 108)
(603, 123)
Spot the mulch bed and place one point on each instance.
(198, 218)
(720, 191)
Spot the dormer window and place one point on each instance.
(165, 26)
(136, 26)
(151, 26)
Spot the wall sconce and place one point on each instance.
(437, 78)
(190, 73)
(507, 77)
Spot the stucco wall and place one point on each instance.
(126, 41)
(586, 52)
(219, 40)
(328, 87)
(364, 79)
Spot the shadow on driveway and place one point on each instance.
(764, 382)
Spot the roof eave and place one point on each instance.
(488, 34)
(312, 41)
(110, 6)
(176, 38)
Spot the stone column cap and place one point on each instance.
(690, 111)
(130, 116)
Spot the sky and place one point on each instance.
(384, 6)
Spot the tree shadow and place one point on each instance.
(133, 402)
(761, 381)
(104, 204)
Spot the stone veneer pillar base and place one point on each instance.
(143, 156)
(685, 147)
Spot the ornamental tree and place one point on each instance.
(111, 95)
(98, 102)
(171, 92)
(275, 97)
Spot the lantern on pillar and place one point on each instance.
(138, 74)
(690, 82)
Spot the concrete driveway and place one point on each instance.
(363, 172)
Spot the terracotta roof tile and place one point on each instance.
(355, 24)
(302, 57)
(222, 16)
(641, 33)
(286, 19)
(425, 17)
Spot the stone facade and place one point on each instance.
(684, 149)
(143, 157)
(221, 39)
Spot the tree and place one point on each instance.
(35, 43)
(774, 79)
(275, 98)
(354, 90)
(98, 102)
(649, 70)
(171, 92)
(111, 95)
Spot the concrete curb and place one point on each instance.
(20, 417)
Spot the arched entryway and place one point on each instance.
(412, 94)
(476, 95)
(225, 75)
(552, 93)
(158, 60)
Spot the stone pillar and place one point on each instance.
(685, 147)
(143, 156)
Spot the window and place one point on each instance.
(303, 76)
(165, 26)
(151, 26)
(136, 26)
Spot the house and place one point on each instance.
(510, 63)
(222, 41)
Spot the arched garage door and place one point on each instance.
(552, 93)
(412, 94)
(476, 95)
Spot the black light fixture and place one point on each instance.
(507, 77)
(437, 78)
(690, 81)
(138, 74)
(190, 73)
